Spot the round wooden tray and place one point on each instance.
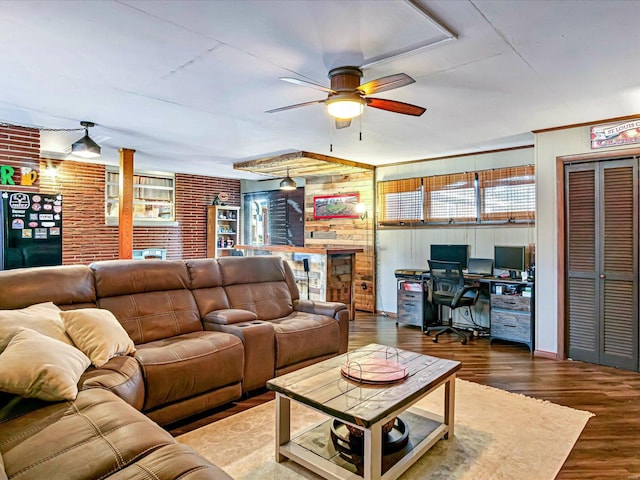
(375, 370)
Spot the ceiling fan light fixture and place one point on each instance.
(86, 147)
(288, 183)
(345, 108)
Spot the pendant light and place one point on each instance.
(86, 147)
(288, 183)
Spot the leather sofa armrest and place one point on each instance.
(330, 309)
(229, 316)
(121, 375)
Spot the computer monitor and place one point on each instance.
(481, 266)
(450, 253)
(509, 258)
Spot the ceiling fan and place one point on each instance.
(347, 98)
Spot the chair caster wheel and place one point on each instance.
(463, 341)
(427, 333)
(435, 339)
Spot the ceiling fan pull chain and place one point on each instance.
(360, 122)
(331, 127)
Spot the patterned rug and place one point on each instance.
(498, 435)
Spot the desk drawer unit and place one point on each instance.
(511, 319)
(511, 302)
(410, 307)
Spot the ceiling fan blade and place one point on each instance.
(396, 107)
(306, 83)
(386, 83)
(342, 123)
(297, 105)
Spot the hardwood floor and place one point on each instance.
(609, 447)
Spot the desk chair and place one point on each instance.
(447, 287)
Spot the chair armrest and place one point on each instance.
(229, 316)
(463, 291)
(330, 309)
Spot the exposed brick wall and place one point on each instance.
(19, 148)
(86, 238)
(193, 194)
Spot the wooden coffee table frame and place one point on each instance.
(312, 387)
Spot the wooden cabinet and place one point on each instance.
(512, 313)
(223, 230)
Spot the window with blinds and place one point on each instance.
(508, 193)
(274, 217)
(501, 195)
(153, 198)
(450, 198)
(400, 201)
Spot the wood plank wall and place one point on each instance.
(349, 232)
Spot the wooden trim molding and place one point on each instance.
(587, 124)
(543, 354)
(469, 154)
(561, 161)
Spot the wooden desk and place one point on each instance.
(331, 270)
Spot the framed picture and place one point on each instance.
(336, 206)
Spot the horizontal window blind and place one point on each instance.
(400, 200)
(450, 198)
(507, 193)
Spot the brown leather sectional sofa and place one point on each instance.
(205, 330)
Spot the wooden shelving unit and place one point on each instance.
(223, 230)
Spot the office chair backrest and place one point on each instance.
(446, 278)
(481, 266)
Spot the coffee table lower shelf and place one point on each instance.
(315, 450)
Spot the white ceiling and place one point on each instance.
(186, 83)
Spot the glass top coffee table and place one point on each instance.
(371, 433)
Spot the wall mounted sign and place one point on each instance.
(27, 176)
(336, 206)
(614, 134)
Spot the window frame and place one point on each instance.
(409, 186)
(113, 220)
(480, 180)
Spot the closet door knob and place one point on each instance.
(603, 276)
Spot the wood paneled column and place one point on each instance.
(125, 203)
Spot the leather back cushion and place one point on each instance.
(121, 277)
(64, 285)
(151, 299)
(206, 284)
(257, 284)
(155, 315)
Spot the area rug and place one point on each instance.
(498, 435)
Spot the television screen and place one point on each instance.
(509, 258)
(450, 253)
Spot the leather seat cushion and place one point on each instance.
(171, 461)
(302, 336)
(179, 367)
(91, 437)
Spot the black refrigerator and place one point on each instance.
(30, 229)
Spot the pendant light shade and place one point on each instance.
(287, 182)
(345, 107)
(86, 147)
